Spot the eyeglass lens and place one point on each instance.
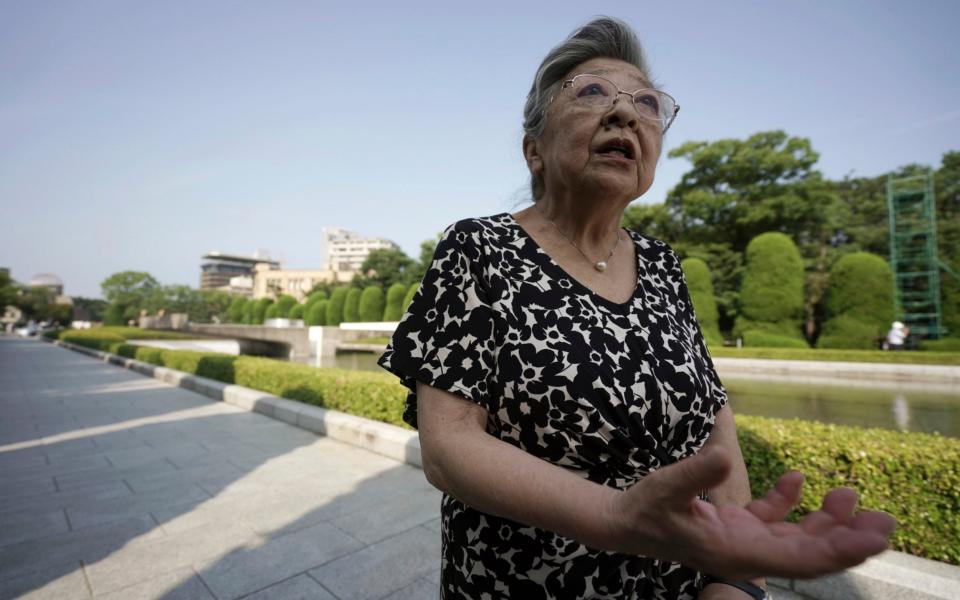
(597, 91)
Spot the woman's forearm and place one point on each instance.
(498, 478)
(736, 488)
(511, 483)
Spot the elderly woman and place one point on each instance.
(566, 403)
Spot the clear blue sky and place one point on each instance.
(140, 135)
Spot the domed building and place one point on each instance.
(48, 280)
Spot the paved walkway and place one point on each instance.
(119, 486)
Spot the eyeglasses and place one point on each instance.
(599, 92)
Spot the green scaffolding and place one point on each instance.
(913, 254)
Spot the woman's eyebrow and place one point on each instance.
(644, 84)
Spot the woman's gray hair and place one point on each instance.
(604, 37)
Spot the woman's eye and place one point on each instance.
(647, 101)
(592, 89)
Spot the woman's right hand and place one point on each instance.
(662, 516)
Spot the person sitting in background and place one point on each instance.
(897, 336)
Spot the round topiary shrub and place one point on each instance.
(271, 312)
(858, 302)
(351, 306)
(284, 304)
(771, 295)
(313, 299)
(372, 304)
(317, 314)
(235, 311)
(296, 312)
(260, 311)
(700, 285)
(335, 306)
(248, 312)
(395, 306)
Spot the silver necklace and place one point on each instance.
(599, 265)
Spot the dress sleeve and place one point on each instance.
(445, 339)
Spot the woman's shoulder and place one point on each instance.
(653, 249)
(481, 232)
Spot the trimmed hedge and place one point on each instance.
(858, 302)
(335, 306)
(260, 310)
(351, 306)
(700, 285)
(317, 314)
(371, 304)
(272, 312)
(247, 317)
(235, 311)
(296, 312)
(914, 476)
(771, 296)
(284, 304)
(395, 304)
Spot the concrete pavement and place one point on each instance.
(120, 486)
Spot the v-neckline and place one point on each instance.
(550, 262)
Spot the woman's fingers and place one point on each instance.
(779, 501)
(685, 479)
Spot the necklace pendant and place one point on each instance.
(601, 266)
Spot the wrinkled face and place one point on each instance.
(586, 149)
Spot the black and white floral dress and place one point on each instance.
(608, 391)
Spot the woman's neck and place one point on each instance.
(588, 224)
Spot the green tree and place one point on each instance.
(947, 186)
(771, 299)
(858, 302)
(214, 304)
(314, 297)
(351, 306)
(114, 315)
(384, 267)
(697, 274)
(335, 306)
(271, 312)
(8, 289)
(284, 304)
(36, 302)
(372, 304)
(235, 312)
(130, 289)
(317, 314)
(418, 269)
(260, 311)
(247, 315)
(395, 307)
(296, 312)
(89, 309)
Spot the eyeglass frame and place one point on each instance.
(676, 107)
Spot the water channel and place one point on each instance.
(861, 403)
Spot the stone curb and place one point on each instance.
(869, 371)
(387, 440)
(893, 575)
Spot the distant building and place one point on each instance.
(343, 252)
(47, 280)
(217, 269)
(271, 283)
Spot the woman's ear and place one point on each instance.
(531, 153)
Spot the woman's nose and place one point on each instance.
(622, 113)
